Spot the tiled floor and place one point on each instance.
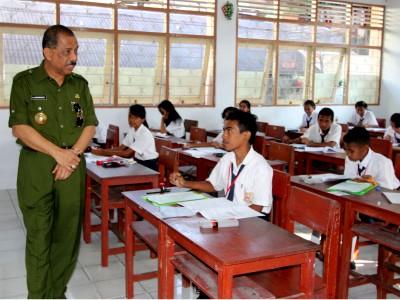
(90, 280)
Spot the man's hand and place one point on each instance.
(67, 159)
(177, 179)
(97, 151)
(61, 173)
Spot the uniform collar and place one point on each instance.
(366, 159)
(139, 129)
(246, 160)
(40, 74)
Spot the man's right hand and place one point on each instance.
(177, 179)
(66, 158)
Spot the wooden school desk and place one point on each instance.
(373, 204)
(213, 133)
(255, 245)
(337, 159)
(108, 178)
(176, 142)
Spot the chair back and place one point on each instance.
(276, 131)
(323, 215)
(112, 139)
(167, 163)
(284, 152)
(280, 192)
(160, 142)
(384, 147)
(397, 165)
(189, 124)
(198, 134)
(381, 122)
(345, 129)
(262, 127)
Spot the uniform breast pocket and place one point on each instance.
(38, 111)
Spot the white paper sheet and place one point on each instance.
(320, 178)
(91, 158)
(350, 186)
(393, 198)
(202, 152)
(175, 212)
(220, 208)
(167, 198)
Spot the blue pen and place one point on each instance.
(378, 188)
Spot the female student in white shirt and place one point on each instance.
(363, 164)
(393, 131)
(171, 121)
(139, 142)
(310, 116)
(243, 174)
(363, 117)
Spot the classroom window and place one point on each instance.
(131, 52)
(326, 50)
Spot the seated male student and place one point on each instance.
(243, 174)
(392, 133)
(363, 164)
(362, 116)
(325, 133)
(310, 116)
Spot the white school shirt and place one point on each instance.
(313, 119)
(314, 134)
(392, 134)
(255, 178)
(176, 128)
(376, 165)
(219, 138)
(142, 142)
(368, 119)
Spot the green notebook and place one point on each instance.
(352, 187)
(173, 198)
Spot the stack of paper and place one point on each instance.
(221, 208)
(162, 135)
(173, 198)
(204, 151)
(320, 178)
(175, 212)
(352, 187)
(393, 198)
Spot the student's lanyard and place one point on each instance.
(323, 135)
(230, 190)
(361, 169)
(396, 138)
(308, 120)
(361, 121)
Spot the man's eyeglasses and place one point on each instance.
(79, 114)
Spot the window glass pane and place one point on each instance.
(141, 70)
(86, 16)
(329, 76)
(254, 29)
(141, 20)
(191, 71)
(255, 73)
(98, 1)
(193, 5)
(292, 68)
(295, 32)
(27, 12)
(95, 60)
(364, 75)
(16, 58)
(332, 35)
(366, 37)
(191, 24)
(145, 3)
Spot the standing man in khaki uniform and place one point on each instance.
(52, 115)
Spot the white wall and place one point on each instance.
(225, 92)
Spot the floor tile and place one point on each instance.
(98, 273)
(12, 270)
(86, 291)
(115, 288)
(13, 286)
(79, 277)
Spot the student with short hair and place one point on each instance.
(325, 133)
(245, 106)
(363, 164)
(243, 174)
(310, 116)
(362, 116)
(138, 143)
(171, 121)
(393, 131)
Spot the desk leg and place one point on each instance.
(129, 284)
(225, 283)
(104, 224)
(345, 252)
(87, 210)
(307, 276)
(162, 261)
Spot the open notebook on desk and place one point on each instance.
(220, 209)
(173, 198)
(352, 187)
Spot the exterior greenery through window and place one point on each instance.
(289, 51)
(130, 51)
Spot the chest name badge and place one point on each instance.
(41, 118)
(36, 98)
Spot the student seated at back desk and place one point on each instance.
(363, 164)
(325, 133)
(393, 131)
(245, 106)
(362, 116)
(217, 141)
(171, 121)
(310, 115)
(138, 142)
(243, 174)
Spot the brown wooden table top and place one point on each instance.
(128, 171)
(173, 139)
(254, 239)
